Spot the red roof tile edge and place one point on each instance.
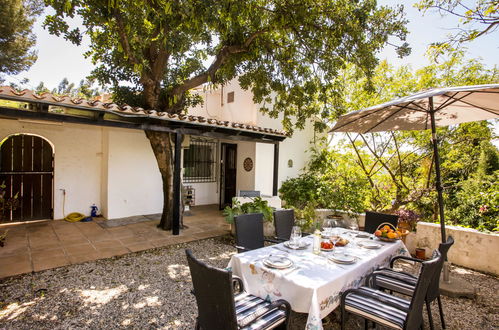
(28, 95)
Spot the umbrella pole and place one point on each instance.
(438, 183)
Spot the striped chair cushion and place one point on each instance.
(373, 308)
(250, 308)
(400, 282)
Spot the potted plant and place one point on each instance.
(257, 205)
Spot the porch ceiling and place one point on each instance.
(28, 105)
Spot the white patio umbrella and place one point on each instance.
(425, 110)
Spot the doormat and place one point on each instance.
(129, 220)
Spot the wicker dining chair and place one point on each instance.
(284, 220)
(249, 232)
(223, 303)
(374, 219)
(388, 310)
(405, 283)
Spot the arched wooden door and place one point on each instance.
(27, 168)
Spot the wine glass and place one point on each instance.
(334, 239)
(327, 227)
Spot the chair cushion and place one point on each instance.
(400, 282)
(372, 307)
(249, 311)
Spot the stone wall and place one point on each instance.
(472, 249)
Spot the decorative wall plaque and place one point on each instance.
(248, 164)
(290, 163)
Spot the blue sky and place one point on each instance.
(58, 58)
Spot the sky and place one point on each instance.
(58, 58)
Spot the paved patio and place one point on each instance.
(54, 243)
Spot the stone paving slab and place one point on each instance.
(32, 247)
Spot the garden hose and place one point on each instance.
(74, 217)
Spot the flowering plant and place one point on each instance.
(408, 217)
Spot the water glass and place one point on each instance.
(295, 236)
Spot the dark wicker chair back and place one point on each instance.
(284, 221)
(428, 268)
(214, 295)
(249, 231)
(434, 289)
(374, 219)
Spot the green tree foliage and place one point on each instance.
(287, 52)
(330, 181)
(476, 18)
(395, 169)
(85, 89)
(16, 36)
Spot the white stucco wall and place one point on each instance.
(245, 180)
(242, 110)
(206, 193)
(77, 161)
(472, 249)
(295, 148)
(134, 185)
(264, 168)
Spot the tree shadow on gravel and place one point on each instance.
(152, 289)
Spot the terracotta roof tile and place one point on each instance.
(7, 92)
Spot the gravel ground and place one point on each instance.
(151, 289)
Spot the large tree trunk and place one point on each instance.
(162, 148)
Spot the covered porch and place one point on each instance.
(47, 244)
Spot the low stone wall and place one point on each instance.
(321, 214)
(472, 249)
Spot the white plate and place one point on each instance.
(327, 250)
(363, 235)
(343, 258)
(279, 262)
(303, 245)
(370, 245)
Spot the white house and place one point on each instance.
(64, 155)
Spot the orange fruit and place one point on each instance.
(386, 228)
(377, 233)
(391, 235)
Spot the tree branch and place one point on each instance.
(225, 53)
(124, 38)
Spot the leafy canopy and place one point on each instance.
(286, 52)
(476, 18)
(16, 38)
(394, 170)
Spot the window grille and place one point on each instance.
(199, 161)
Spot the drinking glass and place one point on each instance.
(295, 236)
(327, 227)
(334, 239)
(354, 226)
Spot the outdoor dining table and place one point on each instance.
(313, 284)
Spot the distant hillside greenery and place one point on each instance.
(394, 170)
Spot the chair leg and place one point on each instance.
(343, 318)
(441, 312)
(428, 308)
(366, 324)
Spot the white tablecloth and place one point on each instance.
(314, 286)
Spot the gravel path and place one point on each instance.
(151, 289)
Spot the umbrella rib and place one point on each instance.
(351, 121)
(474, 105)
(451, 100)
(379, 123)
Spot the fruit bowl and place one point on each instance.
(387, 232)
